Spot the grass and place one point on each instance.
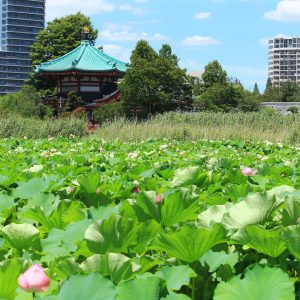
(16, 127)
(261, 126)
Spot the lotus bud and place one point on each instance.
(248, 172)
(98, 191)
(159, 199)
(34, 280)
(71, 189)
(136, 189)
(298, 220)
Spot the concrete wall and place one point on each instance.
(281, 106)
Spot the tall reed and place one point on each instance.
(16, 126)
(186, 126)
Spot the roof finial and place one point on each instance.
(86, 34)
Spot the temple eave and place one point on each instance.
(82, 73)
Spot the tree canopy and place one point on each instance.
(214, 74)
(25, 102)
(154, 82)
(218, 93)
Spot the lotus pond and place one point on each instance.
(151, 220)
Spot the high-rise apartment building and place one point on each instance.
(284, 59)
(21, 20)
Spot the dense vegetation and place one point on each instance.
(153, 220)
(16, 126)
(262, 126)
(155, 83)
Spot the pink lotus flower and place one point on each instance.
(34, 280)
(248, 172)
(159, 199)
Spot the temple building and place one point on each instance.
(86, 71)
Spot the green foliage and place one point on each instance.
(154, 83)
(256, 89)
(92, 286)
(219, 94)
(73, 102)
(10, 270)
(291, 236)
(214, 74)
(288, 91)
(176, 276)
(211, 234)
(113, 235)
(259, 283)
(265, 125)
(26, 103)
(190, 243)
(19, 127)
(21, 236)
(109, 112)
(264, 241)
(117, 266)
(144, 289)
(293, 109)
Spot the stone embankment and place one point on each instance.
(282, 107)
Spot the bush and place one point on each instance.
(26, 102)
(293, 109)
(109, 112)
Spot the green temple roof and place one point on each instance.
(85, 58)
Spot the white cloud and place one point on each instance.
(264, 42)
(198, 40)
(132, 8)
(56, 8)
(282, 35)
(112, 26)
(117, 52)
(286, 11)
(126, 35)
(201, 15)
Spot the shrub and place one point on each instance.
(109, 112)
(293, 109)
(25, 102)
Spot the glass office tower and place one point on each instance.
(21, 20)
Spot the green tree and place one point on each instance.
(227, 97)
(271, 93)
(73, 102)
(249, 102)
(289, 91)
(269, 84)
(166, 53)
(25, 102)
(214, 74)
(220, 97)
(154, 82)
(60, 37)
(256, 89)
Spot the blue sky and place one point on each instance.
(234, 32)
